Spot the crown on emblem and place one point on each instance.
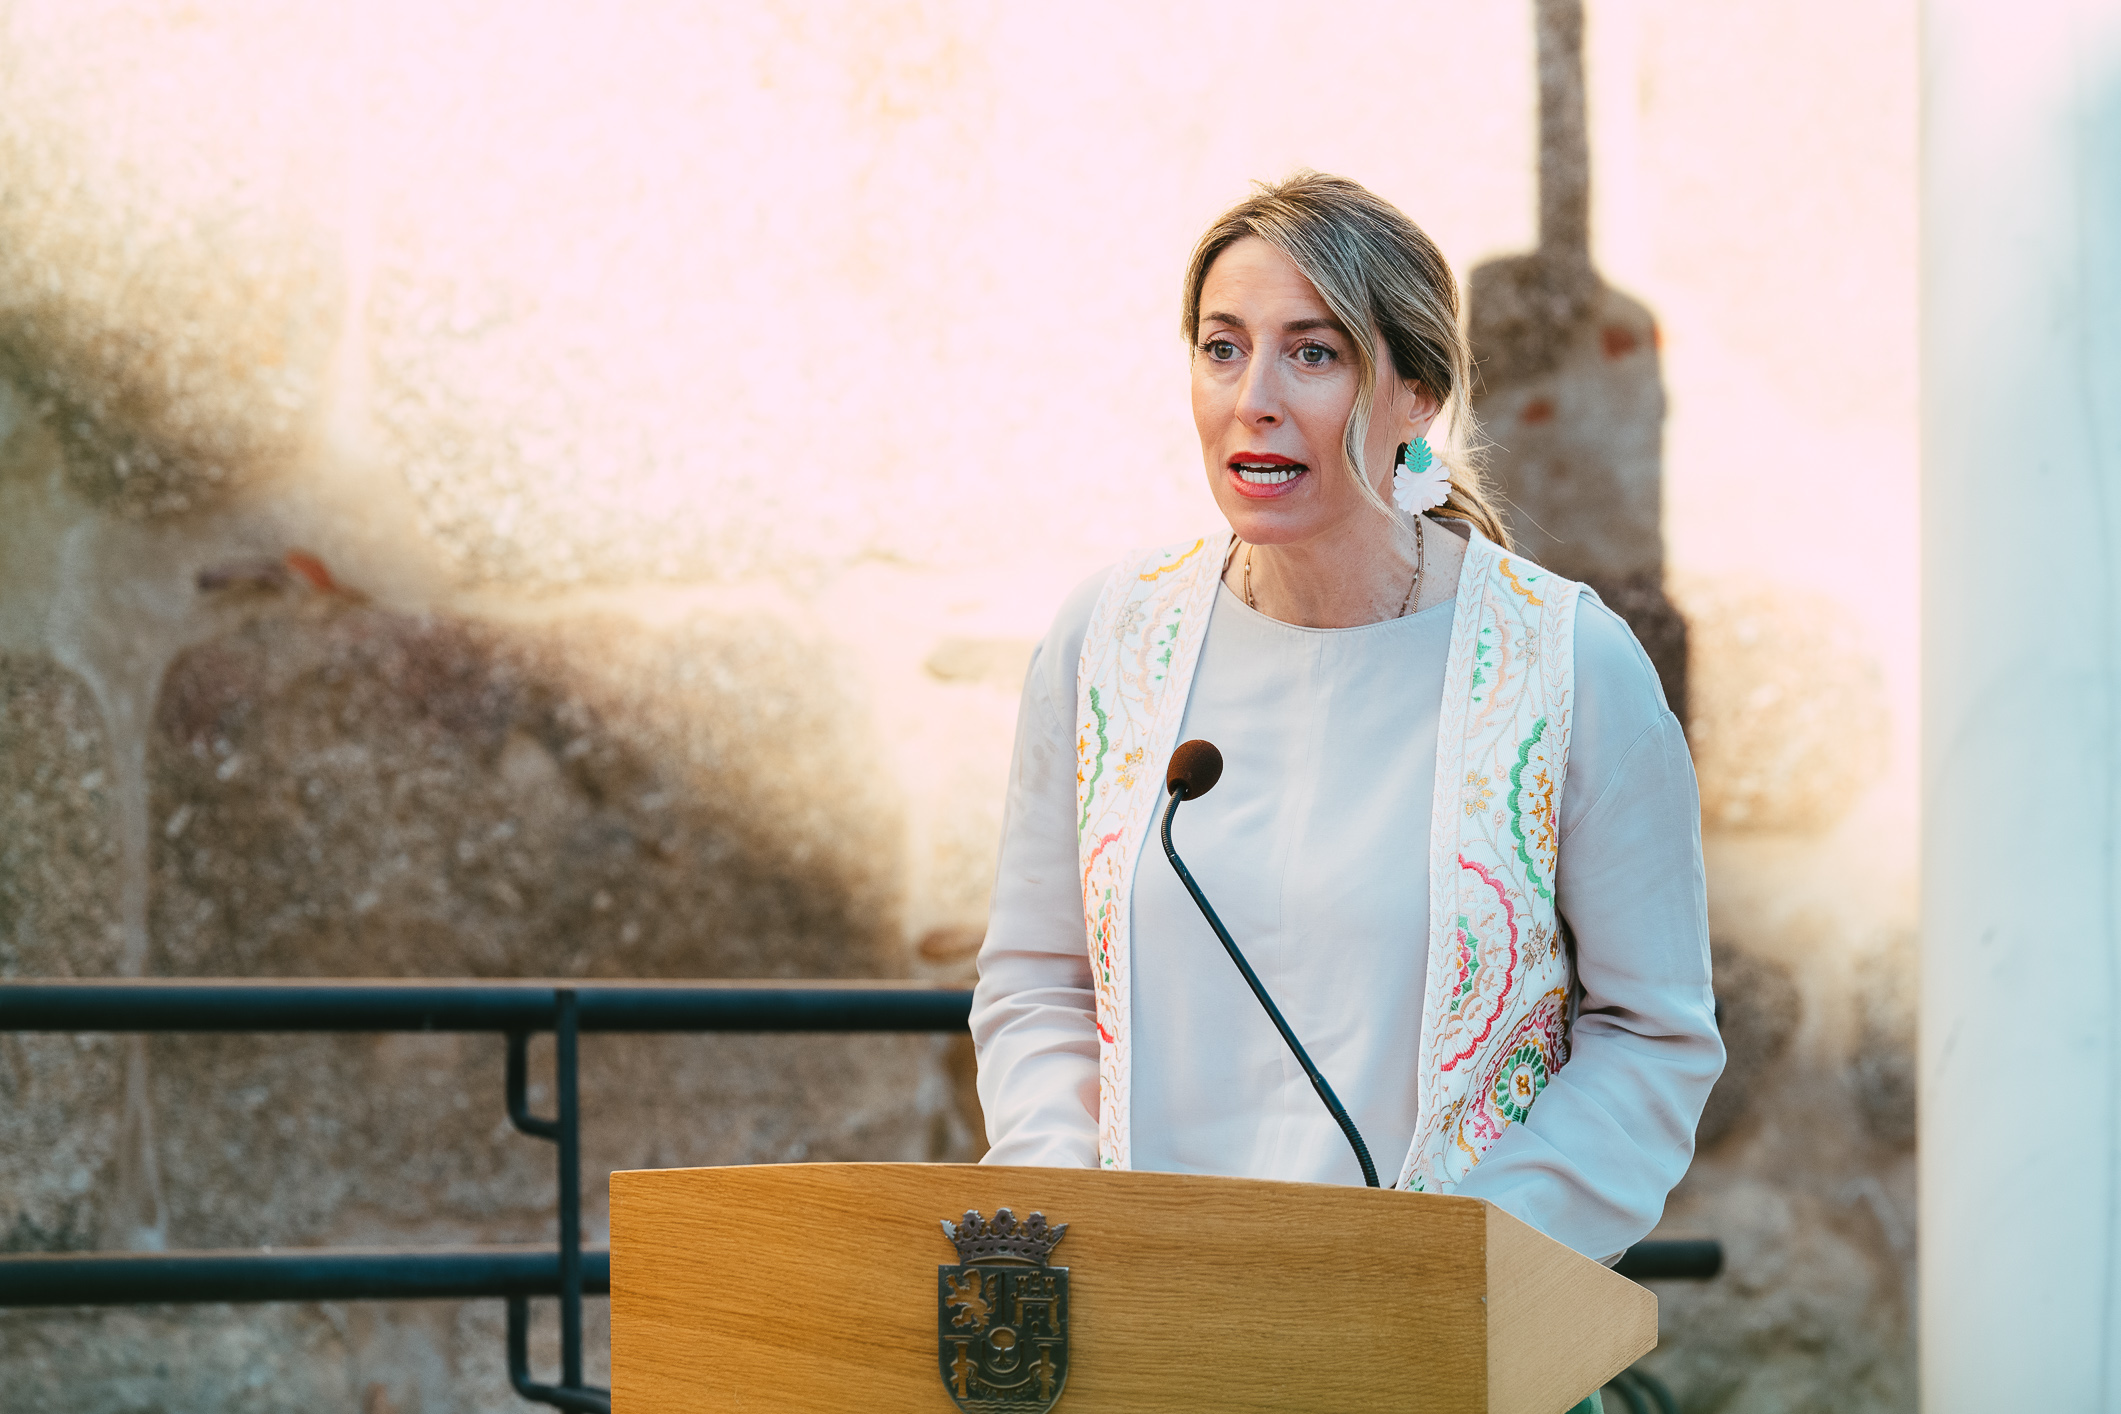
(1004, 1239)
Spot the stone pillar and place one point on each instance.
(2021, 894)
(1567, 382)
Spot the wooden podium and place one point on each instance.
(814, 1287)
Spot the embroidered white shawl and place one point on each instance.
(1495, 1015)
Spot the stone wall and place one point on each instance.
(326, 786)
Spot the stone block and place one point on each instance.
(181, 1360)
(61, 1097)
(1758, 1007)
(1789, 723)
(1882, 1059)
(1810, 1316)
(342, 790)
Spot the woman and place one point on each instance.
(1457, 834)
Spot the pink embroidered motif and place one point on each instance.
(1502, 992)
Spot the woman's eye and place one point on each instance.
(1221, 350)
(1313, 355)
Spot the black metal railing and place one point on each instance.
(517, 1010)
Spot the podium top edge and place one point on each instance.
(1000, 1175)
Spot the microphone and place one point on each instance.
(1195, 768)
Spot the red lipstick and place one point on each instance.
(1271, 476)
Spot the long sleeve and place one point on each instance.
(1034, 1012)
(1614, 1129)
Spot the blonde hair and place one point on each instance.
(1380, 274)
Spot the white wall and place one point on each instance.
(2021, 996)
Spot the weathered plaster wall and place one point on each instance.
(482, 496)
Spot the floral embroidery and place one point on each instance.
(1130, 768)
(1524, 1063)
(1494, 1026)
(1139, 654)
(1524, 1075)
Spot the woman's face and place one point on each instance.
(1274, 379)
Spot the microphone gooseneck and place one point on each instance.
(1195, 768)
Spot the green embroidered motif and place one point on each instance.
(1545, 789)
(1468, 962)
(1170, 641)
(1522, 1077)
(1097, 767)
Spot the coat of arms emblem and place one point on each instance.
(1002, 1315)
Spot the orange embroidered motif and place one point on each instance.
(1511, 575)
(1162, 570)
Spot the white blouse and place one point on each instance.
(1314, 849)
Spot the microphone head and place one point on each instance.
(1195, 768)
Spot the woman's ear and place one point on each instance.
(1422, 408)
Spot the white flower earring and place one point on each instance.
(1419, 481)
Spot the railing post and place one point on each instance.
(565, 1131)
(570, 1195)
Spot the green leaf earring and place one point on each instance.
(1419, 482)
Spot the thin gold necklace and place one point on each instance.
(1421, 558)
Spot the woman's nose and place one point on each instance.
(1258, 399)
